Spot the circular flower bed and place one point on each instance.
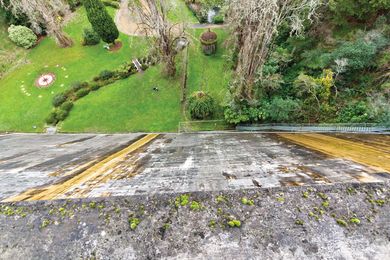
(45, 80)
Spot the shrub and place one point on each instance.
(218, 19)
(201, 105)
(22, 36)
(358, 55)
(355, 113)
(90, 37)
(123, 74)
(101, 21)
(128, 69)
(106, 74)
(51, 119)
(73, 4)
(245, 114)
(315, 59)
(107, 82)
(95, 86)
(144, 66)
(110, 3)
(10, 18)
(58, 99)
(360, 9)
(61, 115)
(282, 110)
(67, 106)
(79, 85)
(82, 92)
(379, 108)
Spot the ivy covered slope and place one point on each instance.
(337, 71)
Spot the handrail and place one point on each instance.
(322, 127)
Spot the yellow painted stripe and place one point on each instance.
(337, 147)
(56, 190)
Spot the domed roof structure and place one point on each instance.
(208, 37)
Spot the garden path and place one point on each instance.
(129, 25)
(125, 22)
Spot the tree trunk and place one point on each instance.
(170, 67)
(254, 24)
(62, 39)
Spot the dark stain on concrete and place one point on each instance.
(12, 165)
(76, 141)
(4, 159)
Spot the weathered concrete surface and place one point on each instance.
(176, 163)
(283, 223)
(30, 160)
(374, 153)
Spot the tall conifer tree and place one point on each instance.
(101, 21)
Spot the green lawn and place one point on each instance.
(126, 106)
(179, 12)
(129, 105)
(10, 54)
(21, 112)
(209, 73)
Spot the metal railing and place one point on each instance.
(350, 128)
(221, 125)
(204, 125)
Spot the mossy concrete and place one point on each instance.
(270, 229)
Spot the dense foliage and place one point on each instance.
(337, 70)
(357, 9)
(10, 18)
(201, 8)
(201, 105)
(90, 37)
(111, 3)
(101, 21)
(73, 4)
(22, 36)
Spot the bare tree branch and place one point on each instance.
(255, 24)
(153, 17)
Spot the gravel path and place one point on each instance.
(125, 21)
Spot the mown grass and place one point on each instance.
(209, 73)
(10, 54)
(19, 112)
(129, 105)
(126, 106)
(179, 13)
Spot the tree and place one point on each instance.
(358, 9)
(254, 24)
(153, 16)
(101, 21)
(49, 13)
(316, 92)
(283, 110)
